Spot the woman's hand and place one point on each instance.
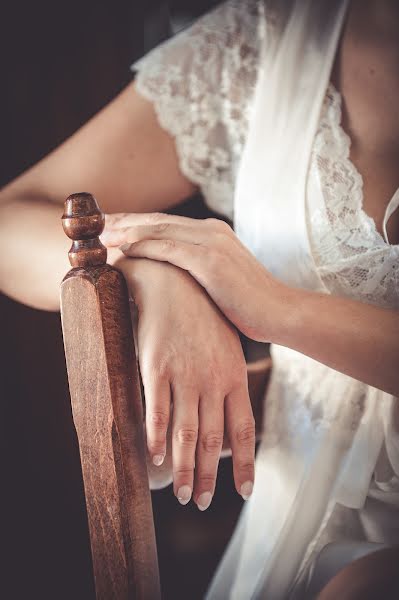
(190, 356)
(338, 332)
(210, 251)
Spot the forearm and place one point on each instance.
(354, 338)
(33, 251)
(122, 156)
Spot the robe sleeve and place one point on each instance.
(200, 83)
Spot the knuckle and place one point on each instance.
(220, 373)
(219, 225)
(215, 378)
(245, 467)
(206, 480)
(245, 433)
(212, 441)
(212, 222)
(154, 370)
(183, 369)
(186, 436)
(155, 218)
(168, 245)
(158, 419)
(183, 470)
(160, 227)
(180, 372)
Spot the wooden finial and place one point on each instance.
(83, 222)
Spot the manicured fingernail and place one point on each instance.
(184, 494)
(158, 459)
(246, 489)
(204, 500)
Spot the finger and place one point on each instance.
(118, 236)
(189, 232)
(240, 425)
(117, 220)
(190, 257)
(184, 440)
(112, 220)
(209, 446)
(157, 399)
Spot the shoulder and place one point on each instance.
(201, 83)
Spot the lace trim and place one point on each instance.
(199, 83)
(352, 256)
(340, 154)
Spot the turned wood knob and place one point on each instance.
(83, 222)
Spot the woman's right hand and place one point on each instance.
(190, 359)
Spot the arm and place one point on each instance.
(357, 339)
(128, 161)
(122, 156)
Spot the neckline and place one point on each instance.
(393, 203)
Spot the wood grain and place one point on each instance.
(108, 415)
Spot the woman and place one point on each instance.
(247, 106)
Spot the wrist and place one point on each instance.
(288, 317)
(145, 277)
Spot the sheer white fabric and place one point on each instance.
(328, 464)
(352, 257)
(200, 83)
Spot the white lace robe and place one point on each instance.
(307, 493)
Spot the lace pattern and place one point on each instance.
(200, 82)
(294, 411)
(352, 257)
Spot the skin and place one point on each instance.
(115, 156)
(366, 72)
(207, 402)
(344, 335)
(123, 146)
(372, 577)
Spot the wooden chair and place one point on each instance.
(107, 409)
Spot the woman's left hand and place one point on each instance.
(249, 296)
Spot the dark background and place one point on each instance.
(61, 62)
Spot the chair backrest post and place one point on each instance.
(107, 411)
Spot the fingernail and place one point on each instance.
(246, 489)
(204, 500)
(158, 459)
(124, 247)
(184, 494)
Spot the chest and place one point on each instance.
(366, 72)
